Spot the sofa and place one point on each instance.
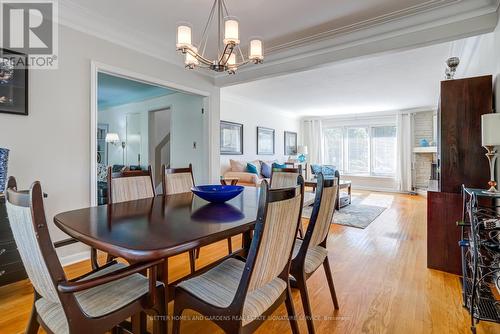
(238, 169)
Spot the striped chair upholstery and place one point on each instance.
(178, 183)
(316, 253)
(282, 179)
(219, 285)
(277, 241)
(95, 302)
(131, 188)
(21, 224)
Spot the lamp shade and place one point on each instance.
(231, 32)
(183, 36)
(490, 129)
(256, 50)
(112, 137)
(302, 149)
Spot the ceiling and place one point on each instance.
(395, 81)
(114, 91)
(150, 25)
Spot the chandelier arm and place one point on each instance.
(221, 59)
(204, 36)
(198, 56)
(241, 53)
(225, 8)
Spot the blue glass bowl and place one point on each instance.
(217, 193)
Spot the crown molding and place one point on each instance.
(281, 52)
(77, 17)
(451, 20)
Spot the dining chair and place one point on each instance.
(310, 252)
(178, 181)
(238, 294)
(123, 186)
(286, 177)
(93, 303)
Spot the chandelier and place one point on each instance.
(229, 55)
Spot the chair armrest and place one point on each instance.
(72, 286)
(65, 242)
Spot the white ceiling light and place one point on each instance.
(229, 55)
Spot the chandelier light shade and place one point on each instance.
(256, 50)
(229, 55)
(231, 34)
(183, 36)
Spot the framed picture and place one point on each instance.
(231, 138)
(13, 83)
(265, 141)
(290, 143)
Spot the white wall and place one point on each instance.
(252, 114)
(186, 128)
(52, 144)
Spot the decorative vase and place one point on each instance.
(4, 158)
(302, 158)
(424, 143)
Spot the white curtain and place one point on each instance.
(313, 139)
(404, 152)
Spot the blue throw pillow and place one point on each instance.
(265, 169)
(277, 165)
(328, 170)
(316, 169)
(251, 168)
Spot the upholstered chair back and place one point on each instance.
(28, 235)
(325, 212)
(177, 180)
(284, 177)
(130, 185)
(277, 236)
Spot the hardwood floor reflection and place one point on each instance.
(380, 276)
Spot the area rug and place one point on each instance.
(363, 210)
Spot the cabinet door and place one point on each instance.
(462, 159)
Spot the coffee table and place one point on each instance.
(343, 184)
(225, 181)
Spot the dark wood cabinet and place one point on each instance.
(11, 266)
(461, 157)
(461, 161)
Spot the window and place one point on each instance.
(384, 150)
(367, 150)
(358, 160)
(334, 143)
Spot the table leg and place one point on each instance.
(349, 193)
(164, 279)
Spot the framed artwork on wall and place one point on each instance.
(265, 141)
(290, 143)
(231, 138)
(13, 83)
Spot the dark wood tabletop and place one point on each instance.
(160, 227)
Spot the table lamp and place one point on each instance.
(302, 151)
(490, 137)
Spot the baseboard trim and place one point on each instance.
(384, 190)
(74, 258)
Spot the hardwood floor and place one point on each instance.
(380, 276)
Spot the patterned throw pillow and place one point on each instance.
(265, 169)
(328, 170)
(316, 169)
(252, 169)
(237, 166)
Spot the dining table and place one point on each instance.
(163, 226)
